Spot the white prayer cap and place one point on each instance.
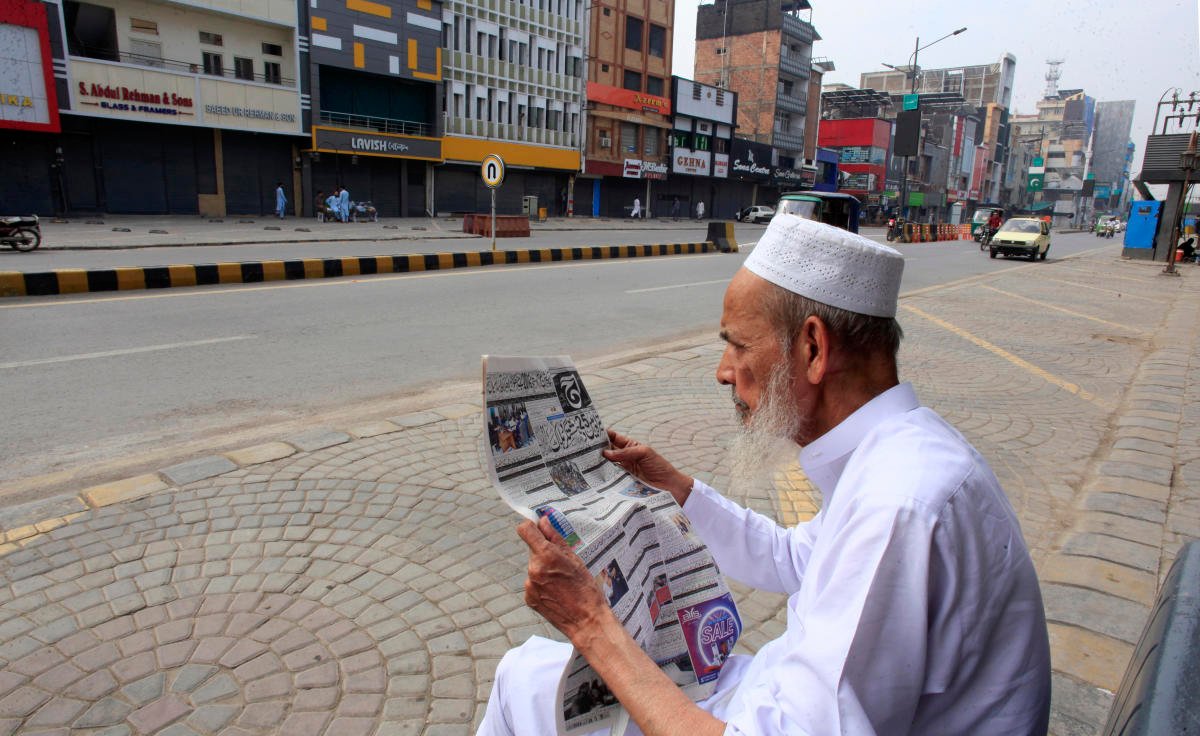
(829, 265)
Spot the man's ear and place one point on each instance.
(810, 351)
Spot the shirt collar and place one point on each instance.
(824, 459)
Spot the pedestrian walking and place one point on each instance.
(280, 200)
(675, 209)
(344, 205)
(700, 210)
(637, 208)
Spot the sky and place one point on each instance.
(1113, 50)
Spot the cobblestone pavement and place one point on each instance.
(368, 580)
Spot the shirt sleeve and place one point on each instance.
(748, 546)
(853, 658)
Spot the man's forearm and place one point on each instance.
(655, 703)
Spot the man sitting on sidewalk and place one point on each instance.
(914, 606)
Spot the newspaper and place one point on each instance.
(543, 442)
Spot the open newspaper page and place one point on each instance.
(544, 438)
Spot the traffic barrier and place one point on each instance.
(720, 234)
(507, 226)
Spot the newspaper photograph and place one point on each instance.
(543, 441)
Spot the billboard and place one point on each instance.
(27, 96)
(750, 160)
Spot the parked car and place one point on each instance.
(1022, 236)
(757, 213)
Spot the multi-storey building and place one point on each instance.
(374, 71)
(701, 141)
(762, 50)
(981, 91)
(863, 148)
(166, 107)
(1059, 133)
(1111, 154)
(628, 100)
(514, 87)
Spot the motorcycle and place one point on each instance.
(23, 233)
(988, 233)
(895, 229)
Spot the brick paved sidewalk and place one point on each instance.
(368, 581)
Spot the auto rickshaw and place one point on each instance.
(832, 208)
(980, 218)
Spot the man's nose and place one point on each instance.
(725, 371)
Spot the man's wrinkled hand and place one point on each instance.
(645, 464)
(559, 586)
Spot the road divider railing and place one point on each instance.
(78, 280)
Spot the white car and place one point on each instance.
(757, 213)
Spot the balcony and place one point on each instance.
(788, 141)
(797, 67)
(183, 67)
(797, 29)
(381, 125)
(797, 103)
(509, 132)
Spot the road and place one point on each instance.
(98, 380)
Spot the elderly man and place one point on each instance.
(913, 608)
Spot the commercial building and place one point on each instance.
(628, 105)
(1112, 152)
(1059, 133)
(165, 107)
(762, 50)
(514, 85)
(702, 124)
(374, 72)
(863, 147)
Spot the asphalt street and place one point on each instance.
(97, 377)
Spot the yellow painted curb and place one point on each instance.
(123, 490)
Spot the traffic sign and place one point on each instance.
(492, 170)
(910, 102)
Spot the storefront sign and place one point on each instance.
(628, 99)
(127, 99)
(786, 177)
(250, 113)
(750, 160)
(27, 96)
(633, 168)
(341, 140)
(654, 170)
(721, 165)
(687, 161)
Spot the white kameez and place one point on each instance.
(913, 608)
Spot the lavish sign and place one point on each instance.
(339, 140)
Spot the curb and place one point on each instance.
(78, 280)
(27, 522)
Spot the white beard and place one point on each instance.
(765, 442)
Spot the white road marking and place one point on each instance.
(126, 351)
(677, 286)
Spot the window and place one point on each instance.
(271, 72)
(785, 88)
(720, 51)
(654, 85)
(629, 138)
(633, 33)
(211, 39)
(720, 98)
(137, 25)
(607, 12)
(650, 145)
(703, 142)
(272, 49)
(243, 68)
(213, 65)
(696, 91)
(633, 80)
(604, 67)
(658, 41)
(148, 53)
(681, 139)
(91, 31)
(721, 145)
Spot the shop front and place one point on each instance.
(28, 109)
(544, 172)
(390, 171)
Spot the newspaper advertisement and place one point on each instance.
(543, 440)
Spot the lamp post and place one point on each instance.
(911, 72)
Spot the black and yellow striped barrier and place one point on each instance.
(78, 280)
